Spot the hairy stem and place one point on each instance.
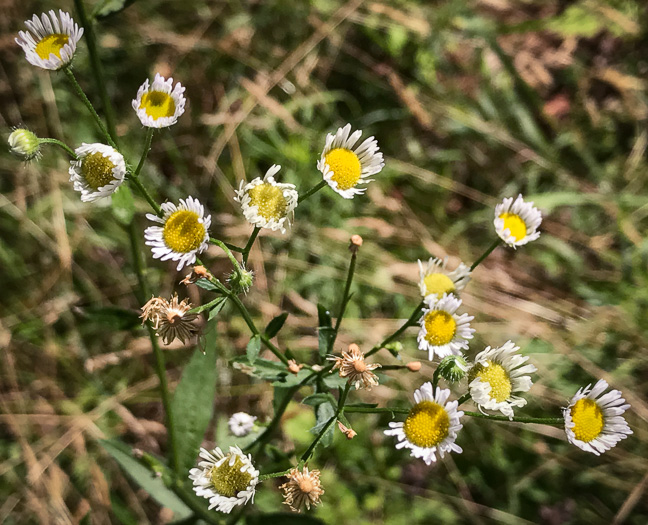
(485, 254)
(312, 191)
(60, 144)
(147, 148)
(250, 243)
(345, 299)
(416, 314)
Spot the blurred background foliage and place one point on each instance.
(470, 101)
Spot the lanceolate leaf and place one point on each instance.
(193, 401)
(144, 478)
(253, 348)
(325, 330)
(275, 325)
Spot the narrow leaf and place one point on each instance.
(323, 414)
(275, 325)
(253, 348)
(144, 478)
(123, 205)
(110, 7)
(216, 309)
(193, 401)
(209, 305)
(206, 285)
(317, 399)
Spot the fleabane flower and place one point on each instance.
(241, 424)
(24, 144)
(226, 480)
(343, 167)
(302, 489)
(436, 279)
(184, 232)
(352, 365)
(160, 104)
(431, 426)
(516, 222)
(443, 332)
(498, 374)
(594, 422)
(97, 172)
(267, 203)
(51, 40)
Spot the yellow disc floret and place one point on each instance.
(269, 200)
(228, 480)
(427, 424)
(183, 232)
(496, 376)
(345, 166)
(514, 224)
(438, 283)
(588, 420)
(440, 327)
(97, 170)
(51, 44)
(158, 104)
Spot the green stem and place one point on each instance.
(340, 409)
(275, 474)
(463, 399)
(227, 251)
(174, 459)
(376, 410)
(435, 379)
(312, 191)
(248, 246)
(60, 144)
(485, 254)
(97, 69)
(189, 500)
(345, 299)
(416, 314)
(88, 104)
(538, 420)
(146, 195)
(147, 148)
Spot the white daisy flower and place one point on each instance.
(443, 332)
(226, 480)
(436, 279)
(496, 375)
(267, 203)
(431, 426)
(241, 424)
(595, 423)
(344, 168)
(183, 234)
(51, 40)
(516, 222)
(159, 105)
(98, 171)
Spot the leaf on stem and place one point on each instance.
(325, 331)
(253, 348)
(110, 7)
(123, 205)
(275, 325)
(323, 414)
(206, 285)
(317, 399)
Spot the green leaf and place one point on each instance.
(282, 518)
(334, 380)
(323, 414)
(110, 7)
(216, 309)
(193, 401)
(325, 332)
(123, 205)
(112, 317)
(292, 379)
(253, 348)
(317, 399)
(144, 478)
(275, 325)
(281, 395)
(263, 368)
(211, 304)
(206, 285)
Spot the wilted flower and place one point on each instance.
(353, 366)
(303, 489)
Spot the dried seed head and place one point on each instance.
(294, 367)
(355, 243)
(302, 489)
(353, 366)
(348, 432)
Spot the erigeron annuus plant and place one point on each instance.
(495, 379)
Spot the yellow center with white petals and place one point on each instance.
(438, 283)
(496, 376)
(228, 480)
(588, 420)
(51, 44)
(440, 327)
(183, 231)
(514, 224)
(158, 104)
(97, 170)
(427, 424)
(345, 166)
(269, 200)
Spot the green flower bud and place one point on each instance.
(241, 280)
(452, 368)
(394, 348)
(24, 144)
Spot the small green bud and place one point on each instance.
(241, 280)
(452, 368)
(24, 144)
(395, 348)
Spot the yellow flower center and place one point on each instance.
(427, 424)
(345, 166)
(51, 44)
(438, 283)
(158, 104)
(440, 327)
(496, 376)
(183, 232)
(514, 224)
(269, 200)
(228, 480)
(97, 170)
(588, 420)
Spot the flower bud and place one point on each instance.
(24, 144)
(394, 348)
(355, 243)
(240, 280)
(452, 368)
(414, 366)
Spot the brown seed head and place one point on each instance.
(355, 243)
